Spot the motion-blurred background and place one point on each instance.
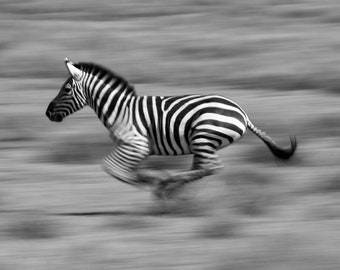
(279, 59)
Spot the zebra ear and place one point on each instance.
(75, 72)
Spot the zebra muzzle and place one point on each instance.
(51, 115)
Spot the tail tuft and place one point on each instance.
(278, 151)
(282, 152)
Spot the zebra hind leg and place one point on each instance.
(205, 162)
(172, 183)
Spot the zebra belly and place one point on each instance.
(172, 146)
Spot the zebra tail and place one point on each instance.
(278, 151)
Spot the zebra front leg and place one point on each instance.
(123, 161)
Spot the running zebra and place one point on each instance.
(141, 126)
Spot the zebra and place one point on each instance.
(141, 126)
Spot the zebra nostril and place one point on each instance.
(50, 109)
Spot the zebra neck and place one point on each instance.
(118, 113)
(112, 106)
(108, 96)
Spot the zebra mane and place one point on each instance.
(103, 71)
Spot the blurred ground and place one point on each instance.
(278, 59)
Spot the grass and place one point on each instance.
(31, 226)
(78, 149)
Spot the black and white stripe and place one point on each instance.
(154, 125)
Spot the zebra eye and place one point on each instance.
(68, 88)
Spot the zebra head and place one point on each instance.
(71, 96)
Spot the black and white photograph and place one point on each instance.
(170, 135)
